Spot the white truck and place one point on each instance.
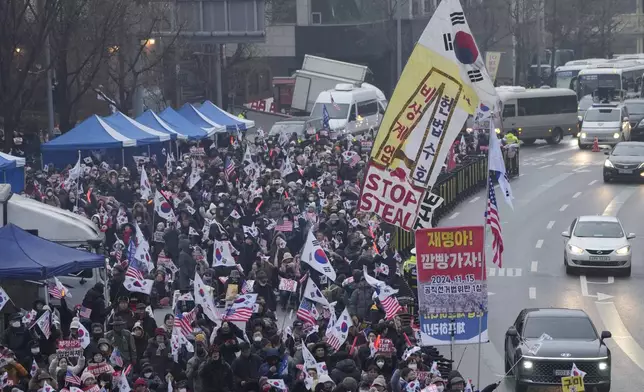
(320, 74)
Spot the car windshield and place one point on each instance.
(339, 111)
(635, 108)
(585, 102)
(602, 115)
(598, 230)
(287, 127)
(628, 150)
(566, 328)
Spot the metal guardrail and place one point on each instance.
(454, 187)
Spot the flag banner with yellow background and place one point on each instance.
(442, 84)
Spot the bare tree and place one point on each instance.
(24, 26)
(522, 17)
(137, 56)
(488, 22)
(81, 42)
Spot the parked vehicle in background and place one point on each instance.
(543, 113)
(297, 125)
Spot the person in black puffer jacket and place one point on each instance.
(345, 367)
(215, 374)
(95, 300)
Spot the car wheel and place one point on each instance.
(604, 388)
(569, 270)
(606, 179)
(528, 142)
(556, 137)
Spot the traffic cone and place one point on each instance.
(595, 145)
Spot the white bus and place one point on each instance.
(542, 113)
(565, 74)
(623, 76)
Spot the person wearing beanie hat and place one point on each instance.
(379, 383)
(140, 340)
(143, 318)
(200, 356)
(350, 384)
(87, 379)
(245, 368)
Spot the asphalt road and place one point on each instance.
(557, 184)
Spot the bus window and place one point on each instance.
(509, 111)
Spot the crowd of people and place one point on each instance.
(261, 197)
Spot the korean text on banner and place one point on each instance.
(492, 60)
(441, 85)
(452, 287)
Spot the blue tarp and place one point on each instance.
(131, 128)
(150, 119)
(12, 172)
(219, 116)
(93, 133)
(193, 115)
(25, 256)
(181, 124)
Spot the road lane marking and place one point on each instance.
(550, 224)
(518, 271)
(583, 281)
(613, 323)
(510, 272)
(454, 215)
(539, 244)
(582, 169)
(522, 174)
(616, 204)
(534, 266)
(501, 271)
(541, 147)
(474, 200)
(492, 272)
(576, 195)
(592, 182)
(559, 151)
(533, 292)
(545, 166)
(563, 208)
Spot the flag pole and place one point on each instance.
(484, 261)
(78, 180)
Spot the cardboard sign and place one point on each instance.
(197, 151)
(366, 144)
(288, 285)
(386, 347)
(69, 348)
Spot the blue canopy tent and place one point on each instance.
(150, 119)
(193, 115)
(93, 133)
(232, 123)
(12, 172)
(26, 256)
(182, 125)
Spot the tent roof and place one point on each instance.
(232, 123)
(93, 133)
(181, 124)
(193, 115)
(9, 161)
(141, 133)
(26, 256)
(150, 119)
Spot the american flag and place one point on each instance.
(229, 168)
(335, 105)
(184, 322)
(285, 226)
(71, 378)
(306, 313)
(246, 287)
(85, 312)
(134, 273)
(238, 314)
(54, 291)
(493, 220)
(325, 118)
(391, 307)
(116, 359)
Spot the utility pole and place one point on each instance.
(540, 42)
(398, 38)
(50, 78)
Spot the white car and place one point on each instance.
(597, 242)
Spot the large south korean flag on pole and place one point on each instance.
(443, 83)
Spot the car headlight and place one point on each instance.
(608, 163)
(623, 251)
(497, 130)
(527, 364)
(603, 366)
(616, 135)
(641, 123)
(579, 118)
(641, 166)
(575, 250)
(583, 135)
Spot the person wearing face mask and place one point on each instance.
(438, 383)
(200, 356)
(215, 373)
(152, 379)
(98, 362)
(140, 340)
(245, 368)
(456, 382)
(143, 319)
(122, 339)
(158, 353)
(226, 339)
(263, 289)
(17, 338)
